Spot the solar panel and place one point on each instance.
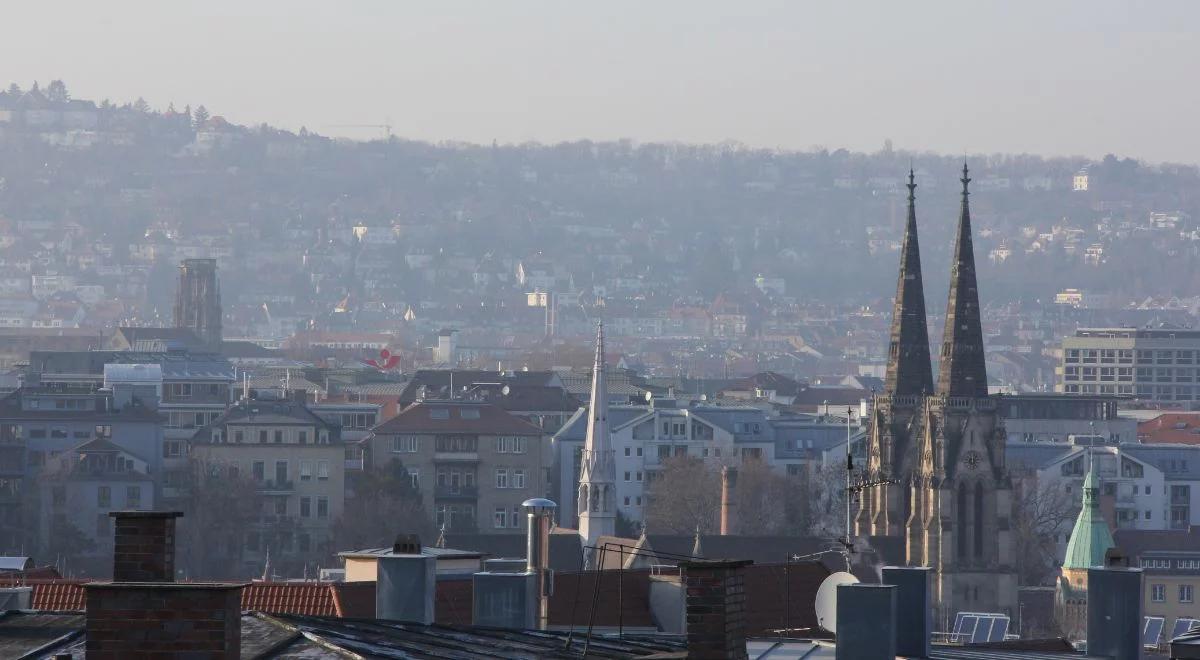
(1184, 625)
(999, 629)
(967, 632)
(958, 622)
(1152, 630)
(982, 629)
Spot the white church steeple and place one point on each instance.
(597, 500)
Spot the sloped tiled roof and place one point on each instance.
(314, 599)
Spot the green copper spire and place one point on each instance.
(1091, 537)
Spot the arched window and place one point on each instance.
(978, 519)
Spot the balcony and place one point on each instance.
(270, 486)
(354, 463)
(455, 492)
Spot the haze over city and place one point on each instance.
(1056, 79)
(565, 330)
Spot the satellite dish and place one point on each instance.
(826, 602)
(649, 396)
(505, 390)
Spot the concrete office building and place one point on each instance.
(1153, 365)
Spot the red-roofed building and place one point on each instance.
(1171, 428)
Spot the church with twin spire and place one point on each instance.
(935, 452)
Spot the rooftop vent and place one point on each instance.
(407, 544)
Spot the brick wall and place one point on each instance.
(144, 546)
(143, 621)
(716, 614)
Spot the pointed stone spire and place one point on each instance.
(962, 371)
(697, 550)
(908, 368)
(597, 501)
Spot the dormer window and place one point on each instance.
(439, 413)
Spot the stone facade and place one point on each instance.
(937, 458)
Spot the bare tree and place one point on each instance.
(685, 496)
(220, 507)
(824, 489)
(766, 501)
(1042, 512)
(384, 504)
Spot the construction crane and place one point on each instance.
(386, 126)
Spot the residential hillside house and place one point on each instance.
(474, 463)
(296, 460)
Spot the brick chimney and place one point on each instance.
(728, 500)
(715, 604)
(144, 614)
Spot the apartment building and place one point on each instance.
(473, 462)
(356, 421)
(296, 458)
(1170, 563)
(1155, 365)
(192, 389)
(40, 424)
(1141, 486)
(646, 437)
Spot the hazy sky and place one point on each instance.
(1053, 78)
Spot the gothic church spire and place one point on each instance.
(908, 369)
(962, 371)
(597, 499)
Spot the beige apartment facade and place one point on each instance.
(1156, 365)
(474, 463)
(296, 460)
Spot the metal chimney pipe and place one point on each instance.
(728, 500)
(537, 553)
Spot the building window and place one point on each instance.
(322, 470)
(414, 478)
(281, 473)
(518, 479)
(639, 500)
(639, 452)
(500, 518)
(501, 478)
(515, 519)
(627, 476)
(302, 437)
(322, 507)
(1185, 593)
(262, 436)
(404, 444)
(1158, 593)
(627, 452)
(626, 500)
(281, 506)
(639, 476)
(133, 497)
(239, 436)
(278, 437)
(305, 507)
(305, 470)
(104, 496)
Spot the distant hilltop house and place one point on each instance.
(1080, 182)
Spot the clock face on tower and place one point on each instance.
(972, 459)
